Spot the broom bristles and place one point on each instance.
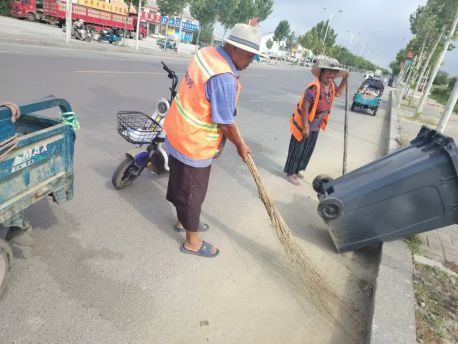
(322, 294)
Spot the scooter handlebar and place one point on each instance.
(167, 69)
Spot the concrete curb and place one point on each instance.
(82, 46)
(393, 319)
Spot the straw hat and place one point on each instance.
(328, 63)
(245, 37)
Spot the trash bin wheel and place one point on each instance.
(319, 180)
(6, 257)
(330, 208)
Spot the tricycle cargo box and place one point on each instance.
(40, 164)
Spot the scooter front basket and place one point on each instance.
(138, 128)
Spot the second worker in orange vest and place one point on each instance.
(200, 118)
(311, 114)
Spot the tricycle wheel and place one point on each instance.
(375, 111)
(318, 182)
(6, 257)
(125, 174)
(353, 105)
(330, 208)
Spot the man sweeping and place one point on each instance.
(197, 124)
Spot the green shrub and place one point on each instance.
(441, 78)
(440, 93)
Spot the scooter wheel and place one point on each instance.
(125, 174)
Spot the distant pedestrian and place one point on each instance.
(199, 120)
(311, 114)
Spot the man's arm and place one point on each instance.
(231, 131)
(221, 92)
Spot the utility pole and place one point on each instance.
(68, 20)
(449, 108)
(447, 43)
(139, 14)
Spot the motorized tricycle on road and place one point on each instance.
(108, 35)
(369, 95)
(81, 31)
(141, 129)
(36, 161)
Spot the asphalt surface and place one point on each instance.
(106, 267)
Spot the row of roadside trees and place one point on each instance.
(319, 40)
(434, 28)
(209, 12)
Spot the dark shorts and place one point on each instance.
(186, 190)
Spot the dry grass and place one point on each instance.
(436, 309)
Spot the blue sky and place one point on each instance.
(383, 25)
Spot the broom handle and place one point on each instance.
(344, 164)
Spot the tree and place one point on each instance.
(291, 43)
(269, 44)
(229, 15)
(281, 32)
(441, 78)
(225, 9)
(205, 11)
(263, 9)
(450, 37)
(170, 8)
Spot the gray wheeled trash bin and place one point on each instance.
(412, 190)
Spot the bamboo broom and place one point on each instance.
(322, 294)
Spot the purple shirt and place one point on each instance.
(323, 106)
(221, 92)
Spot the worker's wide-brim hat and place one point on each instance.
(245, 37)
(328, 63)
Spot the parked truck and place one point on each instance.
(96, 13)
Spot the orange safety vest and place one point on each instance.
(296, 123)
(188, 124)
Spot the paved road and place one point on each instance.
(106, 266)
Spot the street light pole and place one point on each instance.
(351, 38)
(329, 22)
(327, 27)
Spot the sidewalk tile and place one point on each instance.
(445, 238)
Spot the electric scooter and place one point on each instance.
(142, 129)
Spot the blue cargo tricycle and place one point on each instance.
(36, 161)
(369, 95)
(108, 35)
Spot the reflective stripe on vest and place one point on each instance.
(296, 123)
(188, 124)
